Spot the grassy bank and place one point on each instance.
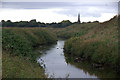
(86, 66)
(99, 45)
(19, 67)
(74, 30)
(18, 50)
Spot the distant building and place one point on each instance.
(79, 18)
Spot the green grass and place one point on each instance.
(99, 44)
(74, 30)
(94, 42)
(19, 56)
(86, 66)
(18, 67)
(22, 41)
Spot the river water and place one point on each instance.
(56, 66)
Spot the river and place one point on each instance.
(56, 66)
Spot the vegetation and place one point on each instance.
(87, 67)
(19, 45)
(34, 23)
(99, 44)
(19, 67)
(93, 42)
(74, 30)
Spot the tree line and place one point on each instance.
(34, 23)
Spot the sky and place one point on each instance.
(56, 11)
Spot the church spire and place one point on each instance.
(79, 18)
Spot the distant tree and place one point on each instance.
(42, 25)
(65, 23)
(21, 24)
(96, 21)
(3, 23)
(33, 23)
(89, 22)
(33, 20)
(8, 23)
(54, 24)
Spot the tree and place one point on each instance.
(65, 23)
(3, 23)
(33, 23)
(8, 23)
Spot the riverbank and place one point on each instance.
(20, 67)
(99, 45)
(19, 57)
(87, 67)
(94, 42)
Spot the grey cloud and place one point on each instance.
(85, 12)
(36, 5)
(69, 8)
(44, 5)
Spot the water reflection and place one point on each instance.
(55, 64)
(105, 72)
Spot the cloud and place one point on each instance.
(42, 15)
(44, 5)
(36, 5)
(90, 10)
(58, 11)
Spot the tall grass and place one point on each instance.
(99, 45)
(19, 67)
(23, 41)
(74, 30)
(19, 56)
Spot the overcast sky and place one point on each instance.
(57, 11)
